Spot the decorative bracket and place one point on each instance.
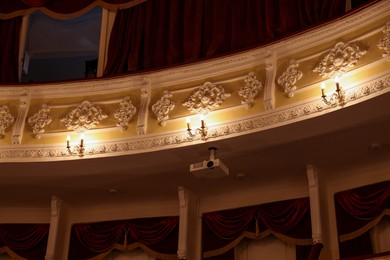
(6, 119)
(290, 77)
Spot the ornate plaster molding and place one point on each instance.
(168, 140)
(24, 105)
(146, 91)
(6, 120)
(269, 90)
(339, 60)
(163, 106)
(84, 117)
(250, 89)
(289, 78)
(124, 113)
(206, 98)
(39, 121)
(384, 42)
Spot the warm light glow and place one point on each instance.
(202, 120)
(323, 85)
(337, 80)
(188, 123)
(68, 141)
(82, 139)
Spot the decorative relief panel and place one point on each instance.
(163, 106)
(124, 113)
(84, 117)
(340, 59)
(206, 98)
(290, 77)
(384, 42)
(6, 119)
(250, 90)
(39, 121)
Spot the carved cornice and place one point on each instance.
(164, 141)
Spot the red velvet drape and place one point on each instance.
(288, 220)
(160, 33)
(9, 49)
(25, 240)
(159, 235)
(357, 211)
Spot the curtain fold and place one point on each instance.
(9, 49)
(60, 9)
(156, 236)
(28, 241)
(161, 33)
(357, 211)
(287, 220)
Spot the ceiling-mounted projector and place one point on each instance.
(210, 169)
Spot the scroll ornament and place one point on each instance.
(6, 119)
(206, 98)
(125, 112)
(340, 59)
(84, 117)
(163, 106)
(40, 120)
(290, 77)
(250, 90)
(384, 43)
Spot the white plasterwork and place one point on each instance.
(289, 78)
(40, 120)
(84, 117)
(384, 42)
(146, 90)
(124, 113)
(269, 89)
(255, 123)
(6, 120)
(163, 106)
(339, 60)
(24, 105)
(206, 98)
(250, 89)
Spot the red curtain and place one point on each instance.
(59, 8)
(157, 236)
(160, 33)
(9, 49)
(25, 240)
(357, 211)
(288, 220)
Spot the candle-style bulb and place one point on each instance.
(68, 141)
(82, 139)
(202, 121)
(188, 124)
(337, 80)
(323, 89)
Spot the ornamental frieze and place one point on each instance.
(84, 117)
(206, 98)
(6, 120)
(339, 60)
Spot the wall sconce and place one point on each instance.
(78, 149)
(337, 97)
(201, 131)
